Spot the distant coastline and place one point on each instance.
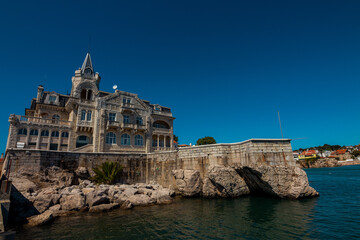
(325, 162)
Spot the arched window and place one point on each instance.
(34, 132)
(83, 115)
(110, 138)
(65, 134)
(22, 131)
(45, 133)
(82, 141)
(138, 140)
(83, 94)
(125, 139)
(55, 134)
(88, 116)
(89, 95)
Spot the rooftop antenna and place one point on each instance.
(89, 43)
(282, 136)
(115, 87)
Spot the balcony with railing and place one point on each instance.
(45, 121)
(83, 123)
(113, 124)
(161, 130)
(162, 112)
(127, 125)
(140, 126)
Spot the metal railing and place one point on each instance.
(43, 120)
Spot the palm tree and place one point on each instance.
(107, 172)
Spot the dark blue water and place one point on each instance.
(333, 215)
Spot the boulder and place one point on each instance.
(97, 197)
(40, 219)
(55, 208)
(114, 190)
(188, 182)
(280, 181)
(127, 205)
(104, 207)
(227, 181)
(82, 172)
(72, 202)
(87, 190)
(208, 190)
(130, 191)
(141, 200)
(161, 196)
(23, 185)
(45, 199)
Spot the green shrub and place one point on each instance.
(106, 173)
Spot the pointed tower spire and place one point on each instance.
(87, 67)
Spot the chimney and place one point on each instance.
(2, 156)
(39, 93)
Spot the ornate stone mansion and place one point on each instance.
(90, 120)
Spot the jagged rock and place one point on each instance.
(130, 191)
(72, 202)
(141, 200)
(87, 190)
(40, 219)
(114, 190)
(98, 197)
(55, 208)
(161, 196)
(45, 199)
(57, 176)
(208, 190)
(67, 190)
(82, 172)
(23, 185)
(227, 181)
(127, 205)
(188, 182)
(281, 181)
(104, 207)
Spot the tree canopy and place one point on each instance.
(205, 140)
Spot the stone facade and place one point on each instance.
(90, 120)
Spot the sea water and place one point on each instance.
(333, 215)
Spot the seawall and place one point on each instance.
(158, 167)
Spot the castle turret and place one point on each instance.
(40, 92)
(85, 80)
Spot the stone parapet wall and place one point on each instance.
(158, 167)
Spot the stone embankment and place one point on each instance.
(39, 198)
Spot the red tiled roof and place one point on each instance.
(309, 152)
(341, 151)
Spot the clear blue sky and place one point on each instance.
(224, 67)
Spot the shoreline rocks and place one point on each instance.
(41, 206)
(37, 199)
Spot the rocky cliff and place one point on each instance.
(225, 181)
